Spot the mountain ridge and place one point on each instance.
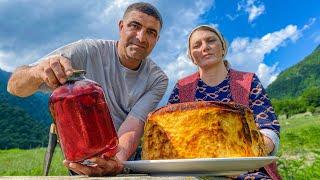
(293, 81)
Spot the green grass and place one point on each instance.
(17, 162)
(299, 153)
(300, 147)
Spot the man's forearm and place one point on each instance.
(23, 82)
(127, 146)
(129, 134)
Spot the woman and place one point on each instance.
(215, 81)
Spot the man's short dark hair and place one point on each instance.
(144, 8)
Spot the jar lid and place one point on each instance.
(76, 74)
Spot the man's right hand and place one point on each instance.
(54, 70)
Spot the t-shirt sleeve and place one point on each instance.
(149, 101)
(76, 52)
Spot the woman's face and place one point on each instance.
(205, 48)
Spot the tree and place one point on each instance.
(311, 96)
(289, 106)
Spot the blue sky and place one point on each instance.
(264, 37)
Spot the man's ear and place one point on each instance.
(120, 24)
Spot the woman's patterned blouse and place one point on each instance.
(259, 102)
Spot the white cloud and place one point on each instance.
(248, 54)
(232, 18)
(304, 28)
(267, 74)
(316, 37)
(254, 8)
(173, 47)
(9, 60)
(5, 58)
(255, 11)
(310, 23)
(180, 67)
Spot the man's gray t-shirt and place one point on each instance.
(127, 92)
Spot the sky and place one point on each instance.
(264, 37)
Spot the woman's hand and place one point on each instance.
(269, 144)
(99, 167)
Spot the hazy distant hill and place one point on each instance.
(24, 122)
(293, 81)
(36, 105)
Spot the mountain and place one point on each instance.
(292, 82)
(4, 76)
(24, 122)
(19, 130)
(36, 105)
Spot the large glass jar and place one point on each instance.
(84, 124)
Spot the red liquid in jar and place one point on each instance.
(83, 120)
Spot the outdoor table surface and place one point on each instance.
(120, 176)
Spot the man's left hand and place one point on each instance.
(100, 167)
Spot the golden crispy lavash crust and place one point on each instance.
(201, 130)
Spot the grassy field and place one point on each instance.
(300, 147)
(299, 152)
(17, 162)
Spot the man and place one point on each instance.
(133, 83)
